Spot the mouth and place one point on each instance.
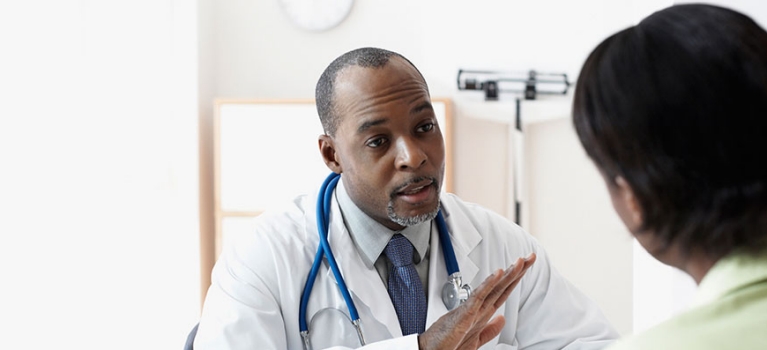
(416, 190)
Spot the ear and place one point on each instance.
(328, 151)
(625, 194)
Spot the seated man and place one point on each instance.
(673, 112)
(384, 222)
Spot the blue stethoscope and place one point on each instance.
(454, 292)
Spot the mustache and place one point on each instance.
(434, 182)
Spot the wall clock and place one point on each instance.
(317, 15)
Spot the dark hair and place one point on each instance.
(677, 105)
(368, 57)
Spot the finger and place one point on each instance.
(530, 259)
(486, 287)
(509, 277)
(482, 310)
(494, 290)
(512, 273)
(481, 306)
(492, 329)
(505, 295)
(482, 333)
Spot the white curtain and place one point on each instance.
(99, 223)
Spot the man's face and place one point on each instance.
(388, 145)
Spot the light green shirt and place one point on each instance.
(729, 311)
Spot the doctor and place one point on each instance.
(382, 136)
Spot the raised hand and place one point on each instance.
(469, 326)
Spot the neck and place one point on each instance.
(695, 263)
(697, 266)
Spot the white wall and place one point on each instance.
(254, 52)
(98, 187)
(571, 215)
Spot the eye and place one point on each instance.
(426, 127)
(376, 142)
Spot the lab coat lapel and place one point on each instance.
(364, 284)
(464, 238)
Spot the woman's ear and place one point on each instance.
(632, 211)
(328, 151)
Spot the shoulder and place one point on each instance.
(273, 226)
(495, 229)
(260, 245)
(720, 324)
(289, 218)
(476, 214)
(668, 335)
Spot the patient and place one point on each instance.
(673, 112)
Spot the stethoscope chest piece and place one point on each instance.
(454, 292)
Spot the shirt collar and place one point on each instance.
(730, 273)
(370, 236)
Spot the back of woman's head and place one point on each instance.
(677, 106)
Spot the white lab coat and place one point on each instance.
(253, 302)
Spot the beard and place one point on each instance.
(416, 219)
(411, 220)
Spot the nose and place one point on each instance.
(410, 155)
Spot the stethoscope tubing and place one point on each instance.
(323, 250)
(444, 236)
(323, 217)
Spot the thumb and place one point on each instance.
(492, 329)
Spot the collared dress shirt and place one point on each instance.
(370, 237)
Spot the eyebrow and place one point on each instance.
(371, 123)
(421, 107)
